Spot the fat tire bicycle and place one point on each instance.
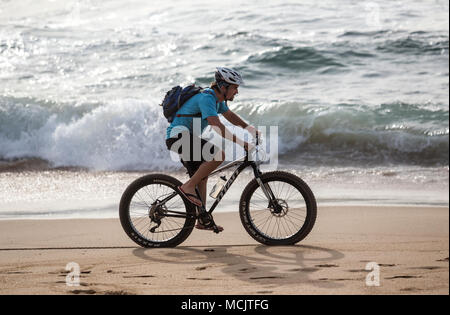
(275, 208)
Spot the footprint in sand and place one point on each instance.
(364, 270)
(338, 279)
(202, 279)
(247, 270)
(200, 268)
(83, 291)
(64, 273)
(326, 266)
(305, 269)
(115, 271)
(121, 292)
(309, 269)
(266, 277)
(410, 289)
(403, 277)
(90, 291)
(83, 284)
(427, 267)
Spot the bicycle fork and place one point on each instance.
(266, 190)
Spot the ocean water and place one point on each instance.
(359, 91)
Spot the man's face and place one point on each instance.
(232, 91)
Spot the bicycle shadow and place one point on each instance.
(266, 266)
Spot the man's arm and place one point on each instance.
(237, 121)
(220, 128)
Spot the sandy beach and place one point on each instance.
(350, 96)
(409, 246)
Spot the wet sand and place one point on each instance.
(409, 246)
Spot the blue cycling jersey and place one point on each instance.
(206, 104)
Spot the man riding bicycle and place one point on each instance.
(207, 106)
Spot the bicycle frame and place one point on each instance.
(243, 164)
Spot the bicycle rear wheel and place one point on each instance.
(286, 222)
(151, 222)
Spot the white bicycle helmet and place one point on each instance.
(229, 76)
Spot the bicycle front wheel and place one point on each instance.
(286, 221)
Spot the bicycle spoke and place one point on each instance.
(278, 224)
(140, 217)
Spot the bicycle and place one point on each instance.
(154, 214)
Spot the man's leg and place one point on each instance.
(203, 172)
(202, 187)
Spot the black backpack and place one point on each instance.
(176, 97)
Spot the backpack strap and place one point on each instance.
(189, 115)
(210, 93)
(198, 114)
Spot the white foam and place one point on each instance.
(124, 134)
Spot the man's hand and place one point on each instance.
(248, 146)
(254, 132)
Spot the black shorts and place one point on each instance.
(193, 158)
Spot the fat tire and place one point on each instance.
(124, 211)
(303, 188)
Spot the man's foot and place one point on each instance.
(208, 228)
(190, 197)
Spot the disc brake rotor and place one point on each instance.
(281, 208)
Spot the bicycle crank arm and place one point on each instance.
(216, 229)
(207, 220)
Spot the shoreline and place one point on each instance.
(342, 204)
(71, 195)
(410, 244)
